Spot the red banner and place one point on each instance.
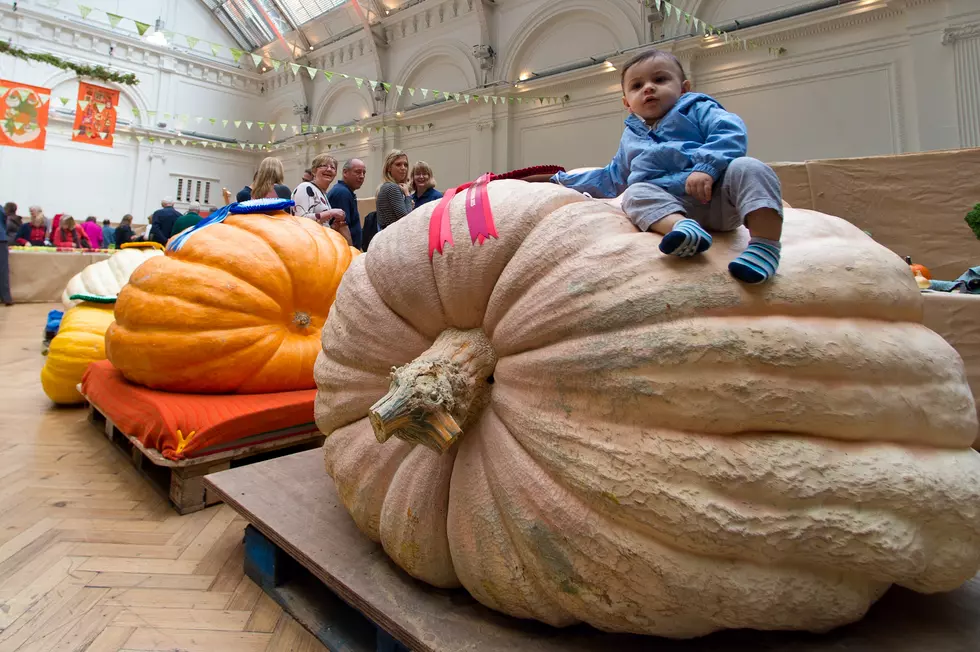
(25, 115)
(95, 115)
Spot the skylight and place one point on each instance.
(303, 11)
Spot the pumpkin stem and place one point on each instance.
(301, 319)
(434, 397)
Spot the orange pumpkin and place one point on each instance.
(238, 308)
(921, 270)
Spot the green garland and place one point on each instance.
(95, 72)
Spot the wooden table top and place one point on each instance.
(292, 501)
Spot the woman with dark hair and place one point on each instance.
(124, 232)
(70, 235)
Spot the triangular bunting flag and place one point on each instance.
(136, 112)
(215, 49)
(84, 11)
(374, 85)
(192, 41)
(65, 101)
(311, 72)
(457, 97)
(411, 91)
(170, 36)
(486, 99)
(261, 125)
(141, 27)
(359, 81)
(334, 129)
(44, 97)
(425, 93)
(283, 125)
(183, 141)
(467, 98)
(198, 118)
(238, 123)
(242, 145)
(272, 126)
(100, 106)
(166, 116)
(276, 63)
(152, 114)
(113, 19)
(83, 104)
(212, 120)
(295, 129)
(152, 139)
(294, 67)
(435, 94)
(224, 145)
(236, 54)
(400, 89)
(224, 123)
(386, 86)
(248, 124)
(328, 75)
(257, 59)
(495, 99)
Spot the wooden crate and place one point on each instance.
(304, 550)
(182, 482)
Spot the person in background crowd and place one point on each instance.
(162, 222)
(394, 198)
(307, 175)
(424, 184)
(342, 196)
(4, 265)
(188, 219)
(34, 233)
(70, 235)
(93, 232)
(36, 210)
(268, 180)
(311, 201)
(55, 222)
(124, 232)
(14, 221)
(108, 234)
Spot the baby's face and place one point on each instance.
(652, 87)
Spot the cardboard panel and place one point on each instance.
(914, 204)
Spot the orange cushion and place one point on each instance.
(192, 425)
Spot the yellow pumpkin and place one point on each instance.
(641, 442)
(80, 340)
(238, 307)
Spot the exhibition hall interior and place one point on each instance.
(489, 325)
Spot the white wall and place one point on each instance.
(872, 77)
(68, 177)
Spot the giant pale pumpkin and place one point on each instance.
(107, 277)
(660, 449)
(80, 341)
(238, 308)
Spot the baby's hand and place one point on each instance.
(699, 186)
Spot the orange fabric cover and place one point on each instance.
(184, 425)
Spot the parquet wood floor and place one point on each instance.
(91, 558)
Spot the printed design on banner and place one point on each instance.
(95, 115)
(25, 115)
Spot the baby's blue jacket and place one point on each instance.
(697, 135)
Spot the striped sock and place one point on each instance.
(685, 239)
(758, 263)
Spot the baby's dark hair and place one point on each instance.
(646, 56)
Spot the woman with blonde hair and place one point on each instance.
(423, 184)
(311, 199)
(394, 198)
(268, 180)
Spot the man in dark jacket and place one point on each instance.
(4, 269)
(163, 221)
(342, 196)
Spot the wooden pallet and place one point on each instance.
(303, 548)
(182, 482)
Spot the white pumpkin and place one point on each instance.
(107, 277)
